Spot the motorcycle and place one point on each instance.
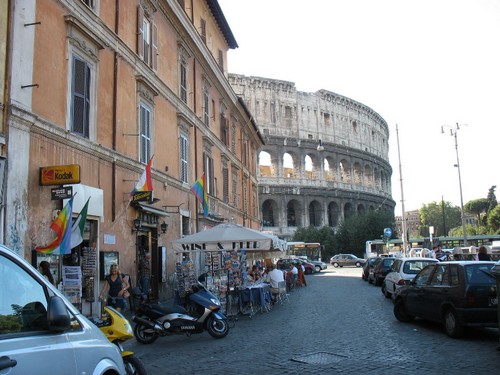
(118, 330)
(201, 312)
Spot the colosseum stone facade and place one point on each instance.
(326, 156)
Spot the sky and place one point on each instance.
(420, 64)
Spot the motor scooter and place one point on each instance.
(118, 330)
(199, 313)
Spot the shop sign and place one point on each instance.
(61, 193)
(142, 196)
(60, 174)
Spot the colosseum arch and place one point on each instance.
(348, 210)
(293, 214)
(357, 173)
(266, 167)
(270, 213)
(291, 165)
(333, 214)
(329, 169)
(361, 209)
(345, 171)
(315, 214)
(368, 175)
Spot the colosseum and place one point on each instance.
(326, 156)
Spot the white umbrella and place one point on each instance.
(226, 236)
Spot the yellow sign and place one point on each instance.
(60, 174)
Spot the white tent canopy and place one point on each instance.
(228, 236)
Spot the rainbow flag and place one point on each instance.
(145, 183)
(62, 227)
(199, 189)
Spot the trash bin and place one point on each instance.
(496, 272)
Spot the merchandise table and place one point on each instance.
(256, 297)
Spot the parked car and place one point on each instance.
(366, 267)
(402, 271)
(342, 260)
(318, 265)
(41, 332)
(284, 264)
(380, 269)
(457, 294)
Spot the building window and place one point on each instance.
(221, 60)
(224, 130)
(206, 104)
(183, 75)
(208, 168)
(147, 39)
(145, 133)
(92, 4)
(235, 189)
(184, 157)
(225, 184)
(80, 97)
(203, 30)
(233, 136)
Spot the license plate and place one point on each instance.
(493, 301)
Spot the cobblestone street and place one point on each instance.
(337, 324)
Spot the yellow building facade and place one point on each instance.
(108, 86)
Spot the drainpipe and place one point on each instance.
(115, 90)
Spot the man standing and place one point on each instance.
(145, 273)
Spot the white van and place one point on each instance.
(41, 332)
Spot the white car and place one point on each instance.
(403, 270)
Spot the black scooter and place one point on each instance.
(201, 313)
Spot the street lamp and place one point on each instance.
(453, 133)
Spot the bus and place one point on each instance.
(311, 250)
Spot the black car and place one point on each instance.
(380, 269)
(456, 294)
(366, 268)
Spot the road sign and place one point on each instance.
(387, 232)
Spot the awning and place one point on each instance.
(151, 210)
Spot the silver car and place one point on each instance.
(342, 260)
(41, 332)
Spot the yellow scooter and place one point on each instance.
(118, 330)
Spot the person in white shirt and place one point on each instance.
(275, 276)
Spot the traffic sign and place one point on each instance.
(387, 232)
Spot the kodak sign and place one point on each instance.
(60, 174)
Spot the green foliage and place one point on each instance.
(492, 199)
(10, 323)
(351, 235)
(432, 215)
(477, 207)
(494, 220)
(472, 230)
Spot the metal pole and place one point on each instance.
(460, 185)
(403, 223)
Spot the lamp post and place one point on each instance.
(453, 133)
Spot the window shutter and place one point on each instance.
(140, 40)
(154, 50)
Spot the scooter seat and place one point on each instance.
(169, 309)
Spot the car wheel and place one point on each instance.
(385, 292)
(335, 264)
(358, 264)
(400, 312)
(318, 268)
(452, 324)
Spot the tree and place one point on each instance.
(494, 220)
(432, 215)
(492, 199)
(355, 231)
(477, 207)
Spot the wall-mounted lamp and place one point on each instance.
(137, 224)
(320, 146)
(164, 227)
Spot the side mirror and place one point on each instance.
(58, 315)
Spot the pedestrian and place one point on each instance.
(44, 268)
(482, 253)
(145, 273)
(116, 287)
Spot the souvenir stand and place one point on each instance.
(223, 262)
